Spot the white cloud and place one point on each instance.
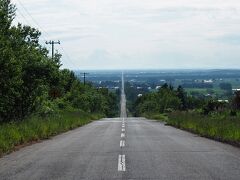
(140, 34)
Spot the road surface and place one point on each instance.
(124, 148)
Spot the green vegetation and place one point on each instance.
(38, 98)
(166, 99)
(35, 128)
(221, 127)
(206, 117)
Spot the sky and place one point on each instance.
(138, 34)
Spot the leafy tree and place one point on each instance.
(10, 71)
(183, 98)
(236, 101)
(226, 86)
(164, 100)
(7, 14)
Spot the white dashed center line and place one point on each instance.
(121, 163)
(122, 143)
(122, 135)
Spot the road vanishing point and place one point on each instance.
(124, 148)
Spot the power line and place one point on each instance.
(27, 21)
(68, 57)
(45, 32)
(27, 12)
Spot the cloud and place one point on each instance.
(138, 34)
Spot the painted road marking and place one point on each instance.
(123, 130)
(122, 143)
(121, 163)
(122, 135)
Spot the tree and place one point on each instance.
(26, 71)
(7, 14)
(226, 86)
(10, 71)
(236, 101)
(183, 98)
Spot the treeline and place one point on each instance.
(168, 99)
(31, 82)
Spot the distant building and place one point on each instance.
(208, 95)
(235, 90)
(158, 87)
(208, 81)
(226, 101)
(203, 81)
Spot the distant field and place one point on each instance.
(158, 77)
(148, 80)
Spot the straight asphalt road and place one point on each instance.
(124, 148)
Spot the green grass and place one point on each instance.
(162, 117)
(36, 128)
(218, 126)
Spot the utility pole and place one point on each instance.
(84, 77)
(53, 43)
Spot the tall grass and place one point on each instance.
(217, 126)
(220, 127)
(35, 128)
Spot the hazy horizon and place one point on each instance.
(166, 69)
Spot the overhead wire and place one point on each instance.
(42, 30)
